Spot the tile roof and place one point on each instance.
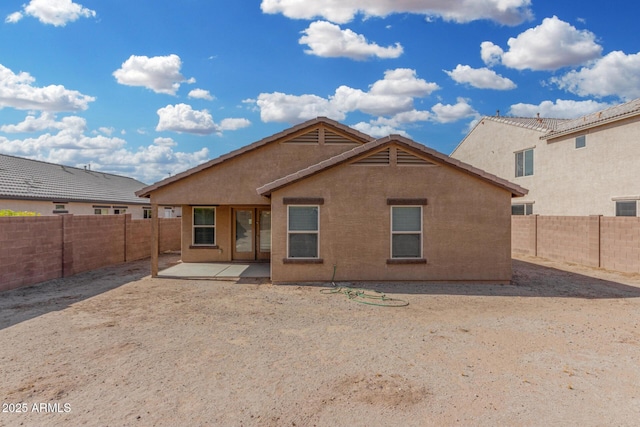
(27, 179)
(535, 123)
(146, 192)
(431, 154)
(618, 112)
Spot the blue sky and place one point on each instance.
(149, 88)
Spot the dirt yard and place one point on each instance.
(560, 346)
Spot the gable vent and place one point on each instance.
(334, 138)
(306, 138)
(379, 158)
(405, 158)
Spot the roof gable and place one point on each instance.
(28, 179)
(374, 149)
(317, 131)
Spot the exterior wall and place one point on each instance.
(595, 241)
(46, 208)
(222, 251)
(234, 182)
(566, 181)
(35, 249)
(466, 225)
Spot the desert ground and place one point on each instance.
(114, 347)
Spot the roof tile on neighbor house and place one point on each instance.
(431, 154)
(145, 192)
(621, 111)
(536, 123)
(28, 179)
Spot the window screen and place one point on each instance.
(581, 141)
(302, 230)
(406, 231)
(204, 226)
(627, 208)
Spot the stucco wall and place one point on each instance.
(46, 208)
(466, 225)
(566, 181)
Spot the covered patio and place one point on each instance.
(217, 270)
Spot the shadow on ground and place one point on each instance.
(529, 280)
(19, 305)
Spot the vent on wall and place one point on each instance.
(334, 138)
(405, 158)
(379, 158)
(306, 138)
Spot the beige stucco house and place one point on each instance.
(586, 166)
(322, 197)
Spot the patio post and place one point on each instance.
(155, 222)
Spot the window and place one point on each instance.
(406, 231)
(101, 211)
(119, 211)
(204, 226)
(522, 209)
(60, 207)
(627, 208)
(146, 213)
(302, 231)
(581, 141)
(524, 163)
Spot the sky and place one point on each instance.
(150, 88)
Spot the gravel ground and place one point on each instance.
(114, 347)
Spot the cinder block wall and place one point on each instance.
(523, 235)
(564, 238)
(30, 250)
(35, 249)
(620, 244)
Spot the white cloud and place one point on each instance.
(452, 113)
(182, 118)
(508, 12)
(17, 91)
(32, 124)
(490, 53)
(551, 45)
(53, 12)
(481, 78)
(159, 73)
(281, 107)
(200, 94)
(379, 131)
(234, 124)
(560, 109)
(71, 146)
(615, 74)
(392, 95)
(328, 40)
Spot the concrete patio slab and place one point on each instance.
(191, 270)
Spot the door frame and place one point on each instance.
(255, 254)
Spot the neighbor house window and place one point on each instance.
(406, 231)
(303, 227)
(627, 208)
(524, 162)
(146, 213)
(581, 141)
(522, 209)
(101, 211)
(204, 226)
(119, 211)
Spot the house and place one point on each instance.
(321, 198)
(51, 189)
(585, 166)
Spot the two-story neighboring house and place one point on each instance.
(585, 166)
(52, 189)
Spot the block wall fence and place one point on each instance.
(612, 243)
(35, 249)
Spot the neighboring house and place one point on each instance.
(586, 166)
(321, 198)
(50, 189)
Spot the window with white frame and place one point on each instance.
(581, 141)
(204, 226)
(406, 231)
(303, 228)
(146, 213)
(524, 163)
(626, 208)
(522, 209)
(101, 211)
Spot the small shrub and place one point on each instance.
(9, 212)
